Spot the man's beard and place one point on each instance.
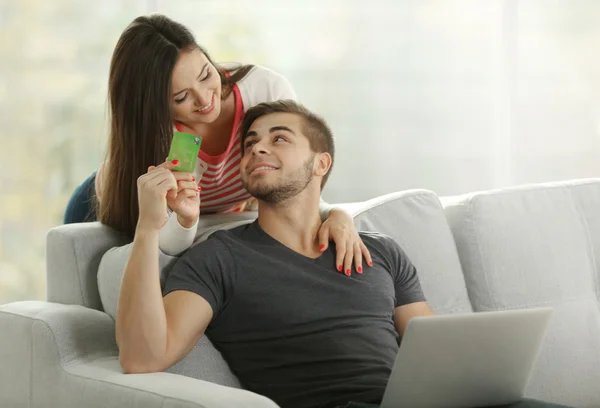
(285, 189)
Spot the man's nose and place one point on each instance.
(259, 148)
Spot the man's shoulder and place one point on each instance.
(382, 245)
(232, 234)
(226, 237)
(377, 239)
(219, 247)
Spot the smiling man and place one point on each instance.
(291, 180)
(290, 326)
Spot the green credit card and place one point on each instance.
(185, 148)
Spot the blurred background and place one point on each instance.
(448, 95)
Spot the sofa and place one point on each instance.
(520, 247)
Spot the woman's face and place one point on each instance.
(196, 84)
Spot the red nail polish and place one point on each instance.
(193, 178)
(370, 263)
(339, 268)
(359, 269)
(321, 247)
(175, 162)
(199, 188)
(347, 272)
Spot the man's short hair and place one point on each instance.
(315, 128)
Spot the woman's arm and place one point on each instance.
(175, 238)
(338, 226)
(281, 88)
(98, 181)
(324, 209)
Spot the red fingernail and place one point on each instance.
(370, 263)
(359, 269)
(199, 188)
(193, 178)
(339, 268)
(347, 272)
(321, 247)
(175, 162)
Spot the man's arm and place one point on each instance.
(151, 333)
(406, 312)
(410, 300)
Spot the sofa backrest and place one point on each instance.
(540, 246)
(415, 219)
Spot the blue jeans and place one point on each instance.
(82, 205)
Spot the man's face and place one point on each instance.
(278, 162)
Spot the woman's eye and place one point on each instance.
(208, 75)
(181, 99)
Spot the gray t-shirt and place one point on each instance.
(293, 328)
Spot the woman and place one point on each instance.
(161, 79)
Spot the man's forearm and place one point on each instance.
(141, 320)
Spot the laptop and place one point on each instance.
(466, 360)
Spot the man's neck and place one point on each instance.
(294, 222)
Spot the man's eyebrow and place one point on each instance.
(199, 75)
(252, 133)
(281, 127)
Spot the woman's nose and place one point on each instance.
(201, 97)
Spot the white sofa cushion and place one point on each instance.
(416, 221)
(536, 246)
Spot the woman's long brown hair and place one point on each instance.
(141, 128)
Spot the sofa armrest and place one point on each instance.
(73, 253)
(57, 355)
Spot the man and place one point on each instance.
(290, 327)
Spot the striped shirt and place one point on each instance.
(219, 176)
(220, 179)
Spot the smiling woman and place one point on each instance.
(190, 93)
(161, 80)
(190, 98)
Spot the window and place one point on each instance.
(449, 96)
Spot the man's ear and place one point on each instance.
(322, 164)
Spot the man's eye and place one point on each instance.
(277, 138)
(249, 144)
